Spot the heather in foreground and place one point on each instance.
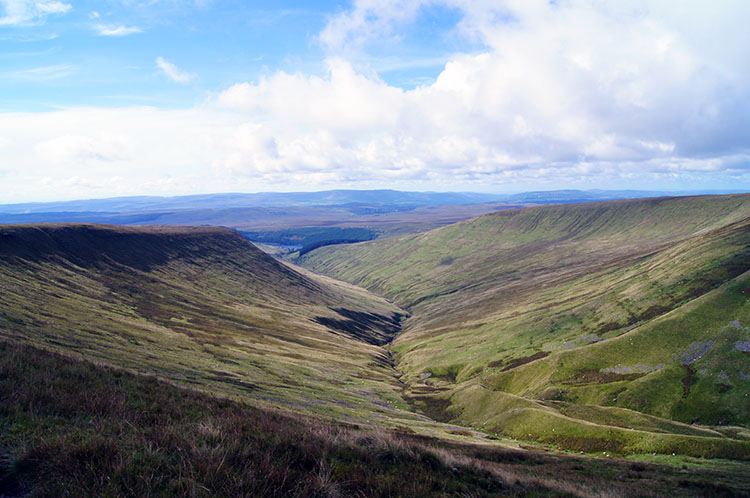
(69, 427)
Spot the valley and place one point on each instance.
(613, 330)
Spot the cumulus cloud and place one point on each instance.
(342, 100)
(145, 147)
(173, 72)
(569, 82)
(575, 93)
(21, 12)
(113, 30)
(367, 20)
(73, 150)
(510, 115)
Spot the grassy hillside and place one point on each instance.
(688, 365)
(553, 306)
(202, 307)
(625, 341)
(71, 428)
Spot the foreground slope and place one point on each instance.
(71, 428)
(200, 306)
(553, 311)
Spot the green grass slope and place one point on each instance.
(72, 428)
(503, 303)
(202, 307)
(690, 365)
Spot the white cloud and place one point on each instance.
(112, 30)
(581, 93)
(344, 101)
(22, 12)
(580, 78)
(143, 146)
(173, 72)
(75, 153)
(367, 20)
(75, 150)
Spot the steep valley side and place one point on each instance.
(614, 326)
(204, 308)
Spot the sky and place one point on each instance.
(173, 97)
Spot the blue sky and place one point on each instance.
(170, 97)
(104, 53)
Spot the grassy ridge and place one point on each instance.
(202, 307)
(531, 301)
(576, 306)
(417, 268)
(70, 428)
(508, 285)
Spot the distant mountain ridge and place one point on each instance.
(385, 197)
(261, 199)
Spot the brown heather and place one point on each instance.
(72, 428)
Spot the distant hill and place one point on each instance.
(276, 217)
(263, 199)
(578, 196)
(367, 201)
(561, 317)
(290, 219)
